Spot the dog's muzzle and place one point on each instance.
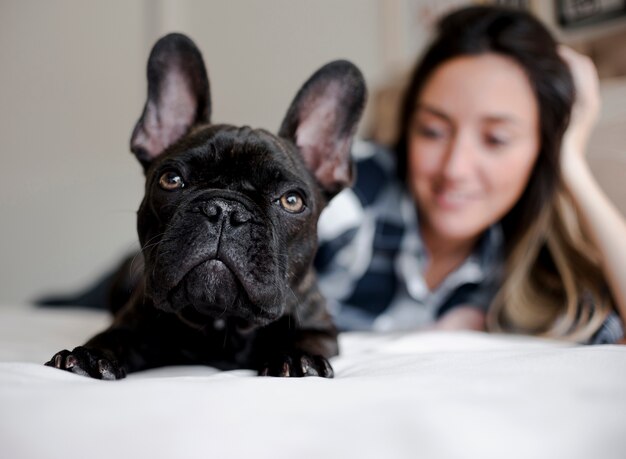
(219, 259)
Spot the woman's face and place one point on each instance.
(473, 142)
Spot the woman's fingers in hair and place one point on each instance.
(587, 104)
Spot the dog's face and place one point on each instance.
(232, 215)
(228, 221)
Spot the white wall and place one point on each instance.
(69, 93)
(72, 83)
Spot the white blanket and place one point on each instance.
(409, 395)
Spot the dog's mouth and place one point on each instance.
(210, 287)
(196, 319)
(211, 290)
(193, 318)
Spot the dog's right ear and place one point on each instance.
(178, 97)
(322, 120)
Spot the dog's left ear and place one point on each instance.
(322, 120)
(178, 97)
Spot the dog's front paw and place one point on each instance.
(87, 362)
(297, 364)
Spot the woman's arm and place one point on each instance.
(462, 318)
(602, 221)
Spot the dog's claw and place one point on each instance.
(297, 364)
(87, 362)
(307, 366)
(108, 372)
(70, 361)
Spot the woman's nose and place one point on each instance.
(460, 158)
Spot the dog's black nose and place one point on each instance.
(228, 211)
(213, 212)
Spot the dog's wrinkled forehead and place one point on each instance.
(224, 155)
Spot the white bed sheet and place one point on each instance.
(405, 395)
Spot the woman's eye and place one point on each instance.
(430, 132)
(292, 202)
(496, 141)
(171, 181)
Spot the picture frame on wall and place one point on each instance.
(579, 13)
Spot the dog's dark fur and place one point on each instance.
(228, 228)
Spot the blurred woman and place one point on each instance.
(486, 214)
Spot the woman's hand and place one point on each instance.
(601, 220)
(586, 107)
(465, 317)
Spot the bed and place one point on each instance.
(400, 395)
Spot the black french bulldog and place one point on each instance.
(228, 228)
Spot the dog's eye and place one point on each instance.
(292, 202)
(171, 181)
